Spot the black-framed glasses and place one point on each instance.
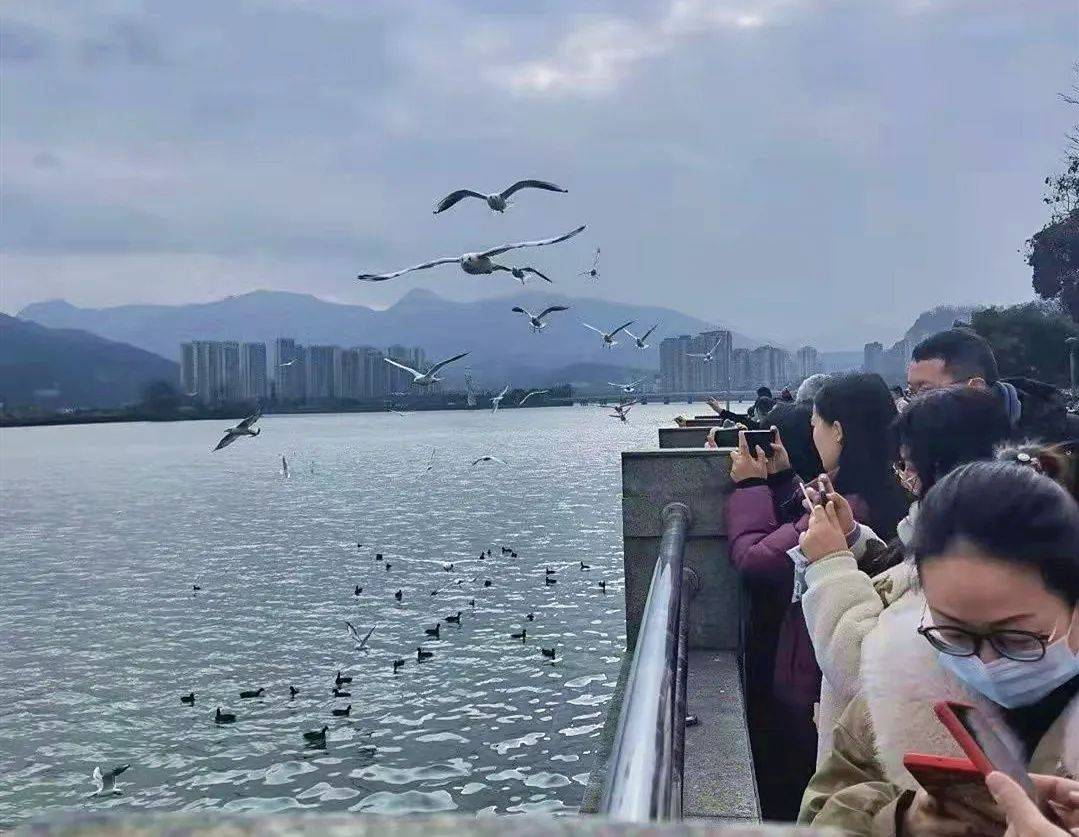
(1021, 646)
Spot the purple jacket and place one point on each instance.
(764, 520)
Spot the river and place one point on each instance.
(106, 529)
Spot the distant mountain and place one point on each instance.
(937, 319)
(51, 367)
(502, 346)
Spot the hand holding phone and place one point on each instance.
(760, 441)
(982, 743)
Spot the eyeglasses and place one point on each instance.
(1021, 646)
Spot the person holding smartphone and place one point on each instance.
(997, 556)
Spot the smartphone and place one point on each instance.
(761, 440)
(976, 734)
(945, 777)
(725, 437)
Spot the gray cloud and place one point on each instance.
(811, 169)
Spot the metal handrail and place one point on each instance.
(644, 775)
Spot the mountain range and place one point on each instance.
(502, 347)
(67, 367)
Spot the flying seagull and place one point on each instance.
(629, 388)
(361, 641)
(474, 264)
(521, 273)
(496, 401)
(622, 410)
(530, 393)
(594, 272)
(286, 365)
(536, 320)
(608, 336)
(498, 200)
(284, 467)
(241, 429)
(487, 458)
(106, 782)
(425, 379)
(708, 356)
(431, 461)
(640, 340)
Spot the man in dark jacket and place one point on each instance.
(1036, 410)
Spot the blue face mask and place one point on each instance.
(1011, 683)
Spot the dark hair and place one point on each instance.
(862, 403)
(794, 422)
(1009, 512)
(786, 395)
(945, 428)
(764, 392)
(966, 354)
(762, 407)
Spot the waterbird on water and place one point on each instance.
(471, 602)
(536, 320)
(603, 586)
(498, 201)
(532, 392)
(252, 693)
(640, 341)
(357, 590)
(292, 692)
(585, 566)
(316, 737)
(106, 782)
(223, 717)
(361, 641)
(521, 636)
(342, 712)
(340, 679)
(425, 379)
(608, 336)
(531, 617)
(448, 567)
(284, 467)
(548, 652)
(506, 550)
(389, 566)
(548, 580)
(549, 571)
(474, 264)
(424, 655)
(454, 619)
(487, 582)
(487, 458)
(338, 693)
(433, 631)
(397, 664)
(398, 595)
(241, 429)
(189, 699)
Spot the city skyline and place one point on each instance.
(730, 369)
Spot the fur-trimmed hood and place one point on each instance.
(901, 679)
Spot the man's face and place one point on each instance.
(924, 375)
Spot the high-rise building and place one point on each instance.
(348, 373)
(318, 373)
(673, 363)
(205, 375)
(874, 357)
(231, 382)
(770, 367)
(374, 372)
(807, 362)
(253, 370)
(740, 369)
(288, 369)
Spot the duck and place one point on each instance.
(195, 587)
(448, 567)
(223, 717)
(471, 602)
(488, 553)
(397, 664)
(397, 595)
(531, 617)
(513, 554)
(389, 566)
(549, 580)
(585, 566)
(338, 693)
(316, 737)
(603, 586)
(343, 712)
(487, 582)
(378, 556)
(341, 679)
(549, 571)
(424, 655)
(454, 620)
(357, 591)
(434, 631)
(521, 636)
(548, 652)
(252, 693)
(189, 699)
(506, 550)
(483, 556)
(292, 692)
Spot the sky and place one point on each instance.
(812, 171)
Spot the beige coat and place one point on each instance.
(861, 786)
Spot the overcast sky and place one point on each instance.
(812, 170)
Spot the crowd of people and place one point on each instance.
(898, 549)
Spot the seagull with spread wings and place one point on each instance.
(536, 320)
(425, 379)
(241, 429)
(640, 341)
(474, 264)
(530, 393)
(629, 388)
(361, 641)
(708, 356)
(521, 274)
(487, 458)
(106, 782)
(496, 401)
(593, 273)
(622, 410)
(608, 336)
(498, 201)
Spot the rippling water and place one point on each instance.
(104, 530)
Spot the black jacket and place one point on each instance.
(1045, 416)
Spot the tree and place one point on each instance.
(160, 397)
(1028, 340)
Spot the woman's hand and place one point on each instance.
(680, 421)
(927, 815)
(1024, 817)
(713, 402)
(842, 507)
(710, 442)
(780, 459)
(824, 535)
(746, 464)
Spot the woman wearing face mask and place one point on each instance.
(848, 589)
(997, 556)
(850, 424)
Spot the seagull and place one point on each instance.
(285, 365)
(241, 429)
(496, 401)
(474, 264)
(640, 341)
(536, 320)
(425, 379)
(708, 356)
(594, 272)
(361, 641)
(532, 392)
(608, 336)
(629, 388)
(521, 273)
(106, 782)
(498, 200)
(621, 410)
(488, 458)
(284, 467)
(431, 461)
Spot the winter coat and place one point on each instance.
(1043, 412)
(862, 786)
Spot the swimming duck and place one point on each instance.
(340, 679)
(189, 699)
(338, 693)
(252, 693)
(603, 586)
(433, 631)
(549, 580)
(357, 591)
(292, 692)
(487, 582)
(397, 595)
(531, 617)
(397, 664)
(585, 566)
(343, 712)
(454, 620)
(316, 737)
(223, 717)
(548, 652)
(521, 636)
(424, 655)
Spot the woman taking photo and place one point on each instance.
(997, 556)
(850, 422)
